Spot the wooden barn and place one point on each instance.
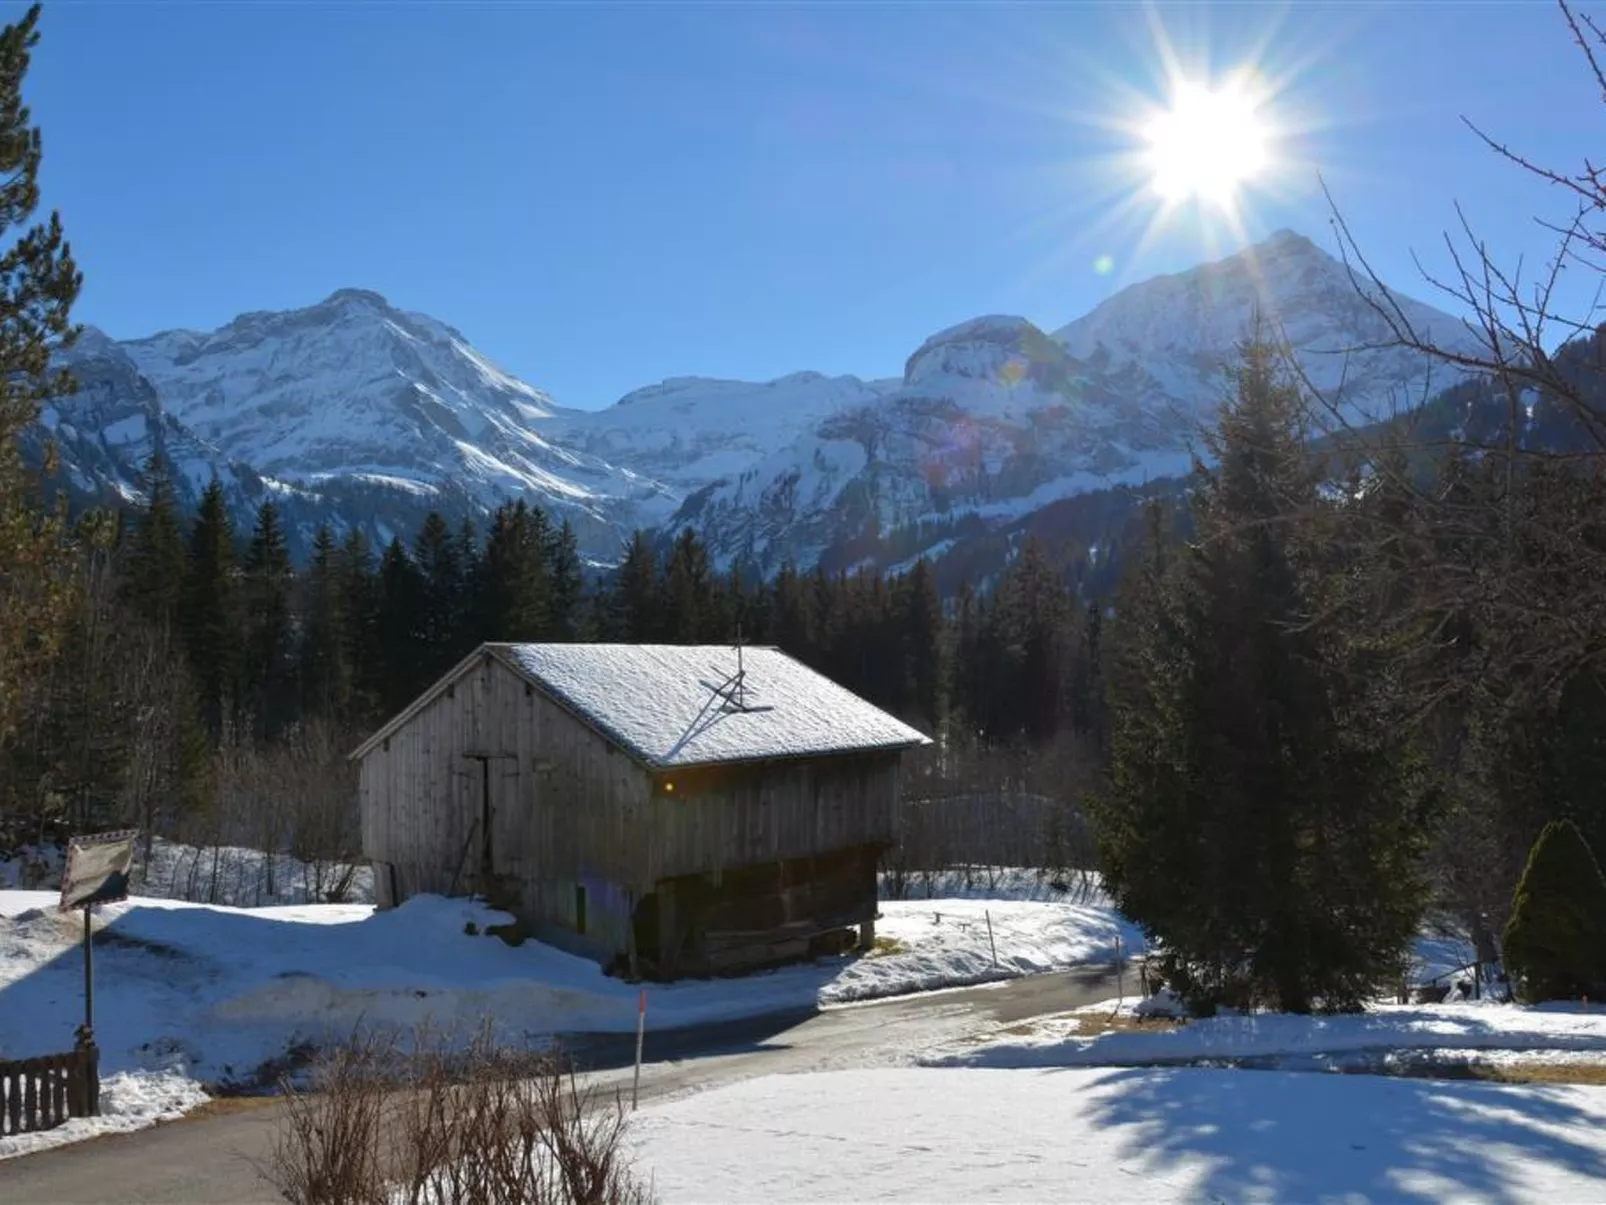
(667, 809)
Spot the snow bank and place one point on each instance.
(214, 993)
(946, 943)
(1162, 1137)
(1536, 1034)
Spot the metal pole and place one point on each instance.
(641, 1034)
(89, 980)
(1120, 973)
(989, 915)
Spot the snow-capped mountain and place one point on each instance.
(358, 391)
(691, 431)
(358, 413)
(1182, 328)
(994, 418)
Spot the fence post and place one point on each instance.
(988, 913)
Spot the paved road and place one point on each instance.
(213, 1159)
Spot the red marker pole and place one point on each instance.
(641, 1035)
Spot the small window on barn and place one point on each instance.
(580, 909)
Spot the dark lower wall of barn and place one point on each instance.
(755, 916)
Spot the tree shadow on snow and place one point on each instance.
(1304, 1136)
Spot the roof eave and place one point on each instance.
(810, 755)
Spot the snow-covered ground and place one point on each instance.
(196, 994)
(1154, 1136)
(1489, 1031)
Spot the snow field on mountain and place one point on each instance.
(190, 995)
(1155, 1136)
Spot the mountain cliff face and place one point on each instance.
(995, 419)
(361, 414)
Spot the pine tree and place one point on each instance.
(210, 614)
(514, 590)
(918, 628)
(358, 592)
(442, 597)
(566, 583)
(268, 669)
(37, 291)
(154, 567)
(1555, 942)
(692, 614)
(324, 667)
(791, 625)
(398, 623)
(468, 562)
(633, 614)
(1264, 820)
(1034, 616)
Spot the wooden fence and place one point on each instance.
(41, 1093)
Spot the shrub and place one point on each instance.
(450, 1126)
(1555, 942)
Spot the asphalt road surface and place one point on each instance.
(214, 1158)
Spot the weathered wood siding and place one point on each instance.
(724, 817)
(576, 823)
(566, 808)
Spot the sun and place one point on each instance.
(1207, 145)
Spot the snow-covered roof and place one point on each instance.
(662, 702)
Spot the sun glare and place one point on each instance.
(1206, 146)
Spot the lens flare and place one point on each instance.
(1206, 145)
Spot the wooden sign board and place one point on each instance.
(98, 870)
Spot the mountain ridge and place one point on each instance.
(353, 403)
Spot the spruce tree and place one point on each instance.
(358, 593)
(566, 583)
(633, 614)
(514, 593)
(791, 624)
(324, 668)
(1555, 941)
(37, 290)
(1264, 821)
(155, 563)
(211, 615)
(468, 565)
(398, 623)
(268, 668)
(918, 628)
(692, 614)
(442, 597)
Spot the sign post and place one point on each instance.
(641, 1035)
(98, 869)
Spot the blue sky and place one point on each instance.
(600, 197)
